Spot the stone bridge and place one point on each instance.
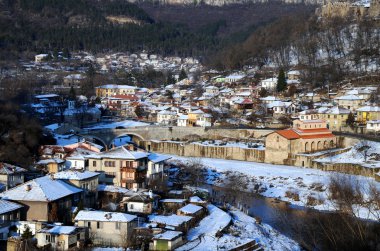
(148, 133)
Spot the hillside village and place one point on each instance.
(82, 193)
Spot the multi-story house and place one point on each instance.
(166, 117)
(45, 199)
(366, 113)
(10, 175)
(107, 228)
(120, 167)
(112, 90)
(351, 102)
(336, 117)
(9, 213)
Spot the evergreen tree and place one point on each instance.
(281, 81)
(170, 79)
(182, 75)
(350, 119)
(72, 94)
(27, 234)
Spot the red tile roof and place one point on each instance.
(289, 134)
(297, 134)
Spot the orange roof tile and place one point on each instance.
(288, 133)
(318, 136)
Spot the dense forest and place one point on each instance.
(36, 26)
(20, 136)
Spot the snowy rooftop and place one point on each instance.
(117, 87)
(59, 230)
(349, 97)
(173, 200)
(190, 209)
(75, 175)
(155, 158)
(172, 220)
(6, 168)
(8, 206)
(195, 199)
(168, 235)
(112, 189)
(121, 153)
(368, 109)
(104, 216)
(40, 189)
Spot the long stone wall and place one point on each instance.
(197, 150)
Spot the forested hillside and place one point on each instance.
(36, 26)
(328, 49)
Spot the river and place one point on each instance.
(307, 226)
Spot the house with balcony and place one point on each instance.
(120, 167)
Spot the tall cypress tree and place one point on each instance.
(281, 81)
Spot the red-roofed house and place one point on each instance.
(306, 136)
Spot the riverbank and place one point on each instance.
(299, 186)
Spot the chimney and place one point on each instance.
(28, 187)
(108, 216)
(150, 194)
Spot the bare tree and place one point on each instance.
(193, 171)
(363, 148)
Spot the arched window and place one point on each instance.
(319, 145)
(312, 146)
(306, 146)
(332, 143)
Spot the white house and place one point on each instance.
(166, 117)
(107, 228)
(373, 125)
(40, 57)
(204, 120)
(269, 83)
(156, 165)
(60, 237)
(182, 120)
(234, 78)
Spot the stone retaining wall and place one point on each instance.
(197, 150)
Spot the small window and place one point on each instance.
(94, 163)
(117, 225)
(89, 224)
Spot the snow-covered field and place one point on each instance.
(242, 230)
(278, 181)
(357, 155)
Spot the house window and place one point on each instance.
(94, 163)
(131, 206)
(117, 225)
(99, 225)
(89, 224)
(278, 139)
